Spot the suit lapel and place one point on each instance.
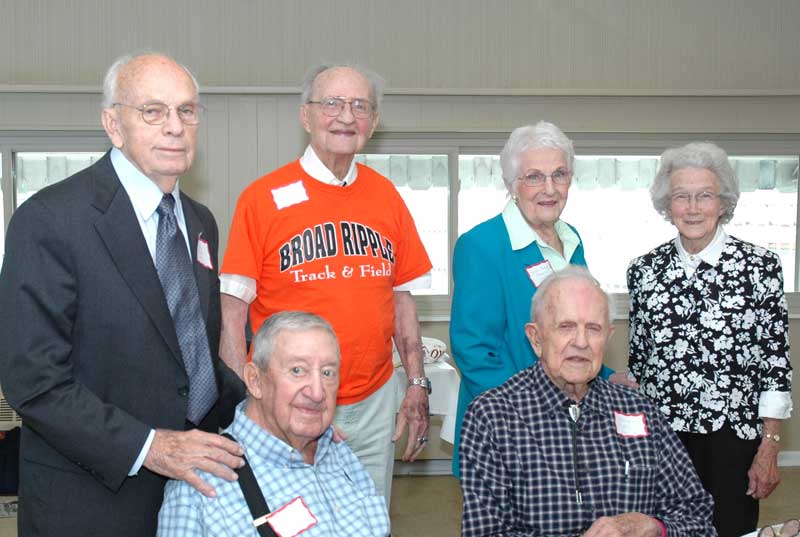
(194, 227)
(119, 229)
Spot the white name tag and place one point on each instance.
(538, 272)
(630, 425)
(289, 195)
(204, 253)
(292, 519)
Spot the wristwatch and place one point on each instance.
(424, 382)
(774, 437)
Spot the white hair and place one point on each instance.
(375, 81)
(110, 82)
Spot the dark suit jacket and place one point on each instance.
(89, 356)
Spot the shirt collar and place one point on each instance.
(522, 234)
(143, 192)
(258, 443)
(553, 399)
(710, 254)
(314, 167)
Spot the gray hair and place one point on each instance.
(110, 86)
(703, 155)
(376, 81)
(294, 321)
(522, 139)
(570, 272)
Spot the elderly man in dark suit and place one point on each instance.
(109, 322)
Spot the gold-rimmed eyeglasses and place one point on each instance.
(157, 113)
(333, 106)
(536, 179)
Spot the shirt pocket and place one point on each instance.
(636, 487)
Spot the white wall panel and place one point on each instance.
(553, 46)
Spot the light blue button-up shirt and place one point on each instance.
(336, 488)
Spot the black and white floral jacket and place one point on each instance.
(706, 347)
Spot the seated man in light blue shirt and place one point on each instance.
(310, 483)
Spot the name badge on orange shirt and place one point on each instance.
(289, 195)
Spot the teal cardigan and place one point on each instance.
(491, 305)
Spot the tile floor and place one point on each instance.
(431, 506)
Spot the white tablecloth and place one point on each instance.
(444, 398)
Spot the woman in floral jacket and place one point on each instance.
(709, 338)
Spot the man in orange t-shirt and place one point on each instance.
(329, 236)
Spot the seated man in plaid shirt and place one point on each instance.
(557, 450)
(312, 485)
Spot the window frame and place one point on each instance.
(436, 308)
(13, 142)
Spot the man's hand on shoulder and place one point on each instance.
(624, 378)
(625, 525)
(177, 454)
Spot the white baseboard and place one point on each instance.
(789, 458)
(424, 467)
(444, 466)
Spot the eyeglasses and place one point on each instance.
(333, 106)
(702, 199)
(790, 528)
(536, 179)
(157, 113)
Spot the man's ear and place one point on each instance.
(374, 124)
(112, 125)
(252, 379)
(304, 120)
(533, 332)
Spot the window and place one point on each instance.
(29, 161)
(609, 201)
(423, 183)
(36, 170)
(609, 204)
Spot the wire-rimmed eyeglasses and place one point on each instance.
(702, 199)
(157, 113)
(536, 179)
(790, 528)
(333, 106)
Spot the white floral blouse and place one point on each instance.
(705, 348)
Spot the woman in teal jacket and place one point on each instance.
(498, 264)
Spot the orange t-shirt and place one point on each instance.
(334, 251)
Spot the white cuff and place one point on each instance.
(777, 405)
(241, 287)
(137, 465)
(423, 282)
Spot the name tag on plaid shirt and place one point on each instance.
(630, 425)
(292, 519)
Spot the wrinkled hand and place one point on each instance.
(624, 525)
(177, 454)
(414, 414)
(763, 474)
(623, 379)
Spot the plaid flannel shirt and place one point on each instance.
(528, 469)
(336, 488)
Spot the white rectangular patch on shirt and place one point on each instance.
(539, 271)
(630, 425)
(292, 519)
(289, 195)
(204, 252)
